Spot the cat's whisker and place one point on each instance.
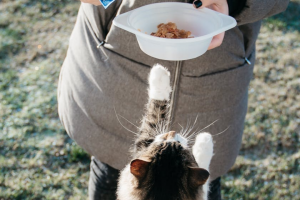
(181, 131)
(195, 132)
(160, 124)
(186, 127)
(185, 132)
(221, 132)
(192, 127)
(156, 131)
(167, 126)
(206, 126)
(164, 128)
(192, 140)
(209, 125)
(159, 127)
(192, 136)
(180, 125)
(129, 121)
(123, 125)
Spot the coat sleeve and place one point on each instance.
(256, 10)
(99, 18)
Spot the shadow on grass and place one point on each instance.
(286, 21)
(75, 155)
(13, 32)
(21, 194)
(11, 42)
(54, 162)
(55, 157)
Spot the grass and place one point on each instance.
(39, 161)
(268, 164)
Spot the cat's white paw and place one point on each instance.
(203, 150)
(159, 83)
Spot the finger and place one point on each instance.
(197, 4)
(97, 3)
(221, 7)
(217, 5)
(216, 41)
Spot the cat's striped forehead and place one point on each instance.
(169, 170)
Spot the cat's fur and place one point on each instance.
(163, 166)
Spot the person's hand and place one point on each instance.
(94, 2)
(219, 6)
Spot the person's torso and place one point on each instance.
(238, 44)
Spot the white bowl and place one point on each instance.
(204, 24)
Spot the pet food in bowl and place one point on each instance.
(170, 30)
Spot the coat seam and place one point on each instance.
(178, 66)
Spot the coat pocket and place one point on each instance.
(217, 90)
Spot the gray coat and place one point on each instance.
(94, 81)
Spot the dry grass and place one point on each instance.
(39, 161)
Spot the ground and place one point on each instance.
(39, 161)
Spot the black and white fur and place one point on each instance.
(163, 166)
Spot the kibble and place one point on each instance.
(170, 30)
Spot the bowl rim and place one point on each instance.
(123, 21)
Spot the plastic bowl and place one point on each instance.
(204, 24)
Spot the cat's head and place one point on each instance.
(163, 168)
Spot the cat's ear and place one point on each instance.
(139, 167)
(198, 176)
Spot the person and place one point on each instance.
(106, 72)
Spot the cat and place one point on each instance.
(164, 167)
